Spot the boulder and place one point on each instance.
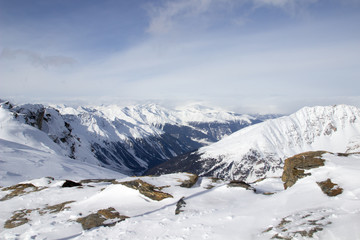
(69, 183)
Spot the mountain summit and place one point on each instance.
(260, 150)
(129, 140)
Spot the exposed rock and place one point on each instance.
(69, 183)
(180, 204)
(147, 189)
(191, 181)
(238, 183)
(97, 181)
(104, 217)
(295, 166)
(20, 189)
(55, 208)
(301, 225)
(19, 218)
(329, 188)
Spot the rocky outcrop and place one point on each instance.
(295, 166)
(103, 217)
(147, 189)
(329, 188)
(20, 189)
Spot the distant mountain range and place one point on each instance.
(129, 140)
(260, 150)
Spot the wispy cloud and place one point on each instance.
(36, 59)
(170, 15)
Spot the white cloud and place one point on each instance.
(170, 15)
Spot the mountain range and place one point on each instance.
(128, 140)
(64, 173)
(260, 150)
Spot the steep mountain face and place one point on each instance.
(130, 139)
(260, 150)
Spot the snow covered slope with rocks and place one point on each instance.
(259, 150)
(128, 139)
(162, 208)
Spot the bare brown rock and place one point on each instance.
(110, 215)
(295, 166)
(329, 188)
(19, 218)
(147, 189)
(55, 208)
(19, 190)
(190, 182)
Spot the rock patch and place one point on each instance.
(300, 225)
(104, 217)
(147, 189)
(55, 208)
(190, 182)
(239, 183)
(179, 205)
(295, 166)
(20, 189)
(329, 188)
(19, 218)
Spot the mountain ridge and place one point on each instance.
(128, 139)
(259, 150)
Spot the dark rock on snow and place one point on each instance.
(69, 183)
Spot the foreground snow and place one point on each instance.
(213, 210)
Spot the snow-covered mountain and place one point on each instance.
(28, 153)
(259, 150)
(127, 139)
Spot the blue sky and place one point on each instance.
(267, 56)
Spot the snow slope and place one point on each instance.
(259, 150)
(28, 153)
(212, 209)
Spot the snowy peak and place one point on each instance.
(316, 127)
(128, 139)
(259, 150)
